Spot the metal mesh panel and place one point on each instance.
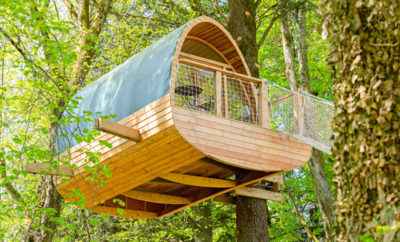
(241, 99)
(195, 89)
(282, 109)
(316, 115)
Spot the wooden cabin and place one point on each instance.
(190, 124)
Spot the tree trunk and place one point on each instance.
(321, 185)
(323, 193)
(251, 220)
(302, 49)
(287, 45)
(251, 213)
(365, 37)
(50, 204)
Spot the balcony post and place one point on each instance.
(299, 113)
(264, 105)
(218, 92)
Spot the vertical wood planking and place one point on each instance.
(263, 105)
(218, 90)
(226, 111)
(300, 112)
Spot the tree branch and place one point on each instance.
(267, 30)
(22, 52)
(7, 185)
(301, 218)
(71, 9)
(90, 32)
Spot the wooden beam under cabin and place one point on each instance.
(276, 178)
(154, 197)
(198, 181)
(118, 130)
(128, 213)
(47, 169)
(258, 193)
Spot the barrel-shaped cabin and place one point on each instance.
(189, 124)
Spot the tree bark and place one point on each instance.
(366, 58)
(323, 193)
(251, 213)
(302, 49)
(287, 45)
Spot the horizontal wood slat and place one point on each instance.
(259, 193)
(128, 213)
(47, 169)
(198, 180)
(156, 197)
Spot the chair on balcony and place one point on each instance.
(190, 124)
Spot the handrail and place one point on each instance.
(259, 109)
(214, 65)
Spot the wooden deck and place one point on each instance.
(184, 157)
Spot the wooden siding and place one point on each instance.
(239, 144)
(132, 164)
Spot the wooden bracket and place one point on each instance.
(198, 181)
(118, 130)
(259, 193)
(154, 197)
(128, 213)
(46, 169)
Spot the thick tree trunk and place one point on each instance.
(251, 213)
(251, 220)
(366, 57)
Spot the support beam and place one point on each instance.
(47, 169)
(264, 106)
(259, 193)
(276, 178)
(118, 130)
(156, 197)
(198, 181)
(253, 178)
(128, 213)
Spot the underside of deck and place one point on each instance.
(184, 157)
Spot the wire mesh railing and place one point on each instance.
(196, 89)
(299, 114)
(241, 101)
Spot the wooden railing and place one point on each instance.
(237, 96)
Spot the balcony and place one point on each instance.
(211, 87)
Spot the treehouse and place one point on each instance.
(190, 124)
